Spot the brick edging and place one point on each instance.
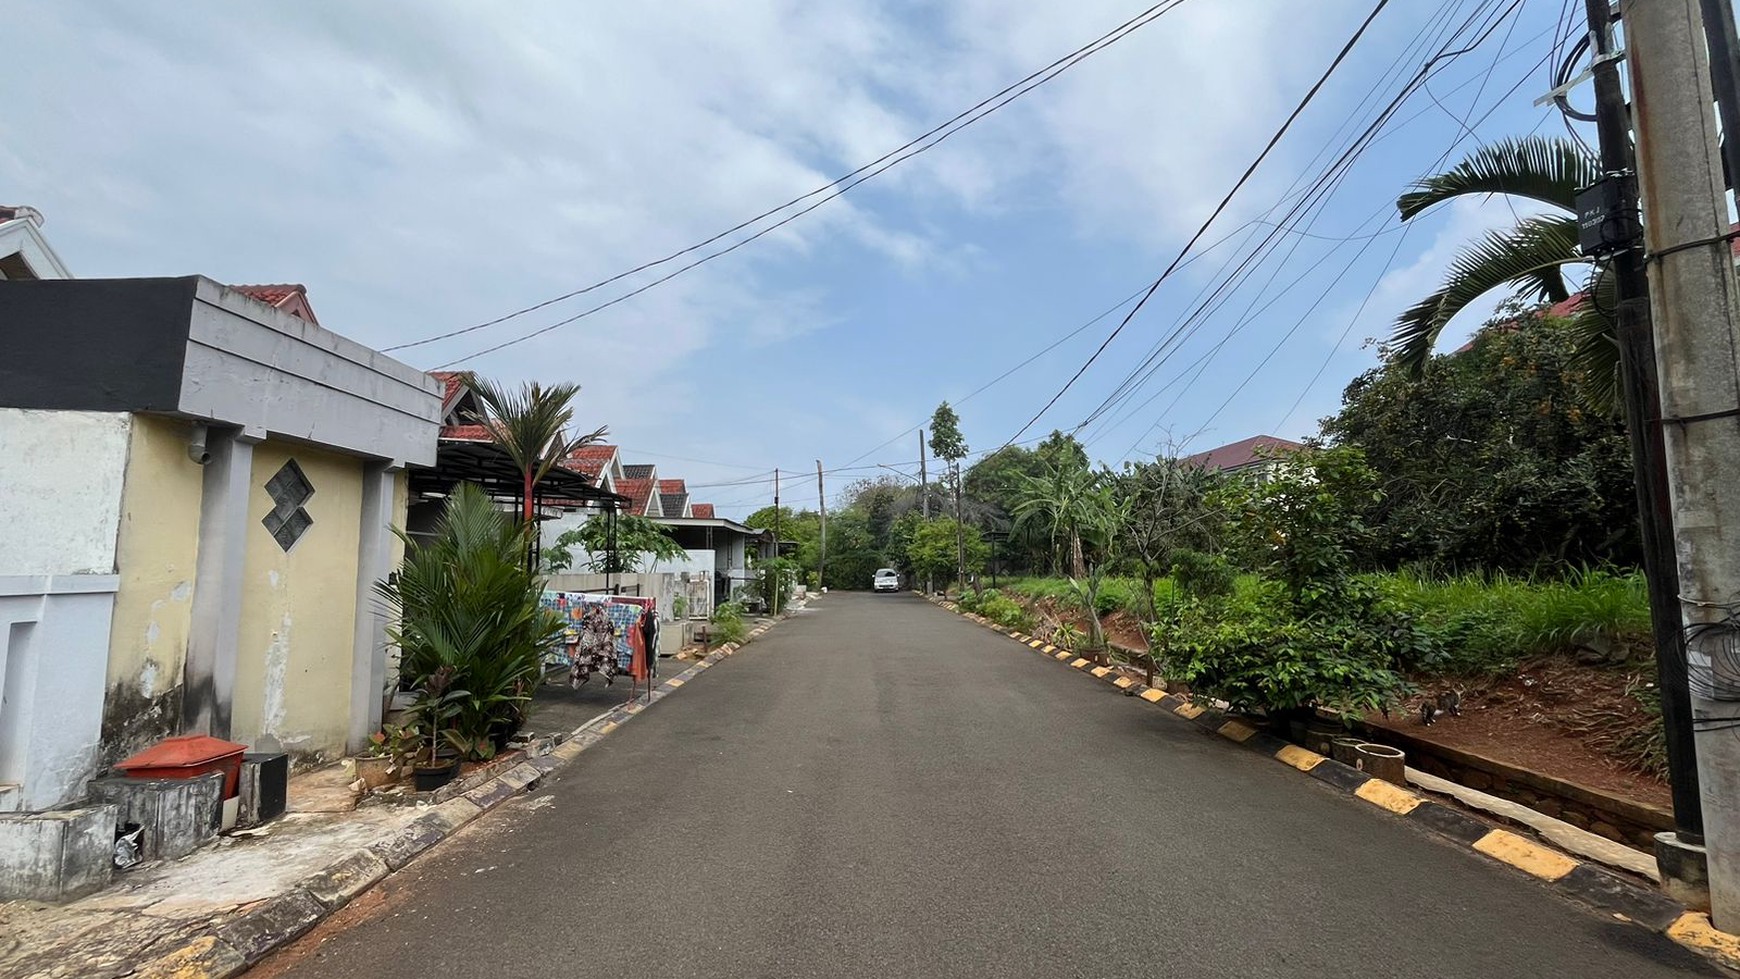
(1585, 883)
(243, 940)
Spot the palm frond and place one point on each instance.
(1534, 167)
(1529, 256)
(1596, 350)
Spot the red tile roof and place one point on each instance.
(1242, 453)
(452, 382)
(673, 486)
(639, 493)
(702, 510)
(590, 459)
(273, 294)
(466, 433)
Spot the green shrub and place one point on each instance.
(1004, 611)
(1203, 575)
(728, 624)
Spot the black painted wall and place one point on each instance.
(94, 344)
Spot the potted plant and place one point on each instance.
(389, 749)
(437, 704)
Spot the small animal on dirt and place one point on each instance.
(1448, 702)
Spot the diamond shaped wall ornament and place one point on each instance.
(289, 490)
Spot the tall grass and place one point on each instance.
(1489, 622)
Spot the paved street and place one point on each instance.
(879, 788)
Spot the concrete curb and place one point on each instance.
(243, 940)
(1589, 885)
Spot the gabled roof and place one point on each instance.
(291, 297)
(639, 493)
(24, 252)
(703, 511)
(467, 433)
(1244, 452)
(638, 471)
(591, 459)
(455, 394)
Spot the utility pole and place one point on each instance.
(1695, 302)
(773, 569)
(924, 499)
(1642, 396)
(822, 508)
(960, 529)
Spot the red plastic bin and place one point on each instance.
(188, 757)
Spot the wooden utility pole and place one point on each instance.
(1695, 301)
(822, 508)
(1642, 398)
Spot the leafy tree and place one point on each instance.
(1530, 258)
(948, 444)
(1490, 460)
(1166, 513)
(640, 542)
(936, 547)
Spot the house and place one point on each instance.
(1253, 455)
(196, 507)
(467, 452)
(24, 252)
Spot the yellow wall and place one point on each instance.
(298, 624)
(156, 548)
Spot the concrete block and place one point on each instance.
(179, 815)
(345, 879)
(56, 856)
(270, 924)
(264, 788)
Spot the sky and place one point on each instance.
(426, 167)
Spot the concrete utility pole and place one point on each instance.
(1642, 397)
(960, 529)
(1695, 302)
(822, 504)
(773, 589)
(924, 498)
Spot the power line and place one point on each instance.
(843, 183)
(1219, 208)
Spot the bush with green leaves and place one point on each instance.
(465, 608)
(1006, 612)
(727, 623)
(1203, 575)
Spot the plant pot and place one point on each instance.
(1382, 761)
(1320, 735)
(1345, 750)
(429, 777)
(374, 770)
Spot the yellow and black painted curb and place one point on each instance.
(1584, 883)
(239, 942)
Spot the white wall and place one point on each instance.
(60, 490)
(54, 644)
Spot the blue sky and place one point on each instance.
(424, 167)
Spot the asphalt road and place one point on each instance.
(881, 789)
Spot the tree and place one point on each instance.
(530, 424)
(1067, 505)
(1531, 257)
(946, 442)
(943, 544)
(1165, 512)
(1491, 460)
(638, 539)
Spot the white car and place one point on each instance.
(886, 579)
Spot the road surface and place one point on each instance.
(879, 788)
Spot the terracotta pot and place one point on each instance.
(375, 771)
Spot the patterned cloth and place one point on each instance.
(589, 642)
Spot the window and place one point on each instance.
(289, 489)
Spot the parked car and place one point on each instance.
(886, 579)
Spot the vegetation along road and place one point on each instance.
(880, 788)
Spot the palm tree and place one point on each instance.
(1531, 257)
(1068, 503)
(531, 426)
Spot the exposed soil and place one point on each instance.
(1551, 716)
